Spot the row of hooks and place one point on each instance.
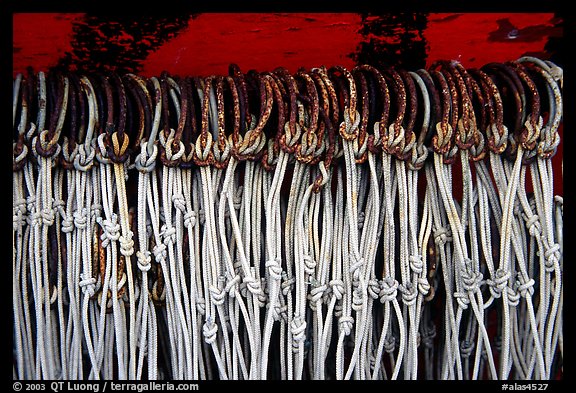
(202, 121)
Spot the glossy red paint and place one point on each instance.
(264, 41)
(39, 40)
(258, 41)
(475, 39)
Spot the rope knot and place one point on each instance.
(44, 147)
(471, 279)
(442, 235)
(210, 330)
(416, 263)
(552, 257)
(291, 138)
(81, 218)
(110, 230)
(120, 144)
(309, 264)
(217, 295)
(423, 286)
(358, 294)
(159, 252)
(390, 344)
(253, 285)
(144, 260)
(203, 155)
(345, 325)
(20, 153)
(274, 268)
(48, 216)
(19, 216)
(466, 348)
(337, 288)
(84, 160)
(67, 224)
(201, 306)
(171, 155)
(513, 297)
(190, 219)
(252, 143)
(35, 218)
(168, 233)
(145, 163)
(232, 285)
(317, 293)
(57, 205)
(287, 283)
(409, 293)
(498, 137)
(533, 225)
(179, 202)
(356, 267)
(462, 299)
(126, 244)
(87, 284)
(499, 282)
(388, 289)
(349, 127)
(547, 147)
(280, 312)
(373, 288)
(419, 156)
(298, 330)
(19, 206)
(102, 153)
(428, 337)
(221, 153)
(525, 285)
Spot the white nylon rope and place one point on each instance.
(232, 287)
(200, 270)
(214, 294)
(19, 231)
(552, 253)
(442, 235)
(145, 163)
(324, 257)
(273, 248)
(173, 207)
(110, 236)
(359, 297)
(42, 219)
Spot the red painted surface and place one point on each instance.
(258, 41)
(265, 41)
(476, 39)
(41, 39)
